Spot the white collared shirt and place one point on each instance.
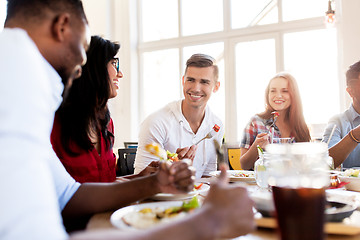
(34, 184)
(171, 130)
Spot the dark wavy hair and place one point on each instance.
(85, 106)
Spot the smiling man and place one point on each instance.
(42, 48)
(344, 145)
(181, 124)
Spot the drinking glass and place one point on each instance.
(261, 171)
(261, 165)
(298, 176)
(282, 140)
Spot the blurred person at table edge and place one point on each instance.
(281, 95)
(344, 144)
(179, 125)
(83, 132)
(51, 38)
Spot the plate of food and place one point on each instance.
(334, 211)
(337, 211)
(199, 188)
(237, 175)
(146, 215)
(352, 178)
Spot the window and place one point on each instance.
(155, 27)
(161, 79)
(316, 74)
(198, 22)
(246, 13)
(297, 10)
(252, 41)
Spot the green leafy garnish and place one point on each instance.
(260, 150)
(192, 204)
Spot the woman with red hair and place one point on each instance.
(282, 118)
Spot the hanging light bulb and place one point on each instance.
(330, 16)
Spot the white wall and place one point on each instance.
(347, 12)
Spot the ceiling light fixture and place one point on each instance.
(330, 15)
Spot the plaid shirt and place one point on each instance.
(256, 126)
(89, 166)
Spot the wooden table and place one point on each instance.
(102, 221)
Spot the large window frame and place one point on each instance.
(230, 37)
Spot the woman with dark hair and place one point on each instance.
(281, 95)
(83, 132)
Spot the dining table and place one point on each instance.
(266, 227)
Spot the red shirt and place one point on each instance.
(88, 166)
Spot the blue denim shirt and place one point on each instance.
(344, 123)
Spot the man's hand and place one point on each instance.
(230, 207)
(177, 177)
(187, 152)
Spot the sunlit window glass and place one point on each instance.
(161, 79)
(311, 57)
(159, 19)
(2, 13)
(246, 13)
(295, 10)
(255, 66)
(201, 16)
(216, 50)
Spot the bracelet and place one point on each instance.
(352, 136)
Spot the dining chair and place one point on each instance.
(130, 144)
(232, 153)
(125, 163)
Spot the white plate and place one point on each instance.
(353, 183)
(168, 196)
(116, 218)
(233, 178)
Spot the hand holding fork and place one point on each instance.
(211, 134)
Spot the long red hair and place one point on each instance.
(294, 115)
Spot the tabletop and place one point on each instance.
(102, 221)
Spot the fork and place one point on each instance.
(209, 135)
(216, 128)
(272, 126)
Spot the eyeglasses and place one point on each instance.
(116, 64)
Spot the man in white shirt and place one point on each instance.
(42, 48)
(32, 44)
(180, 125)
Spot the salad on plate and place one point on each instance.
(146, 215)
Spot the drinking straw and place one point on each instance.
(331, 134)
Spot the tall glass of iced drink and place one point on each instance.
(298, 175)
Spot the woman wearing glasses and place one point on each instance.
(83, 132)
